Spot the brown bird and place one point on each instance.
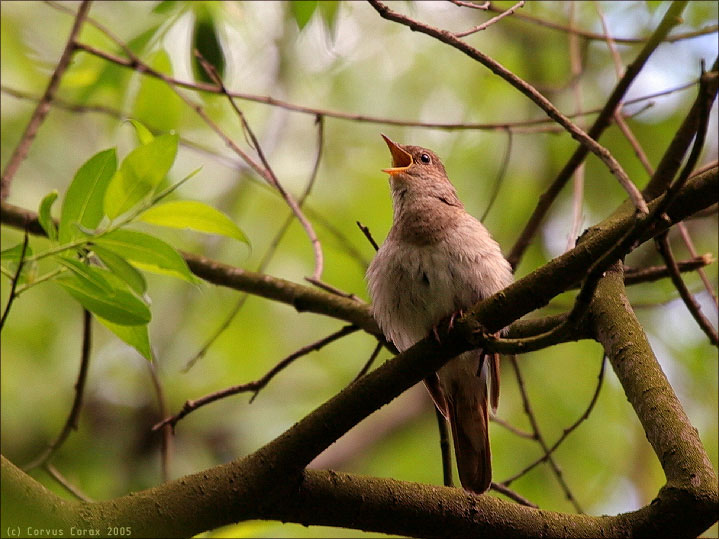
(436, 261)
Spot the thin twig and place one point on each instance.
(575, 62)
(618, 116)
(672, 159)
(521, 126)
(511, 428)
(665, 251)
(62, 480)
(94, 22)
(162, 408)
(257, 385)
(444, 448)
(540, 439)
(528, 90)
(516, 126)
(462, 3)
(368, 235)
(707, 90)
(491, 21)
(654, 273)
(500, 176)
(43, 106)
(332, 289)
(270, 174)
(566, 432)
(700, 270)
(670, 19)
(204, 87)
(368, 364)
(509, 493)
(72, 418)
(599, 37)
(269, 253)
(704, 168)
(15, 279)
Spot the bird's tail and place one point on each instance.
(469, 419)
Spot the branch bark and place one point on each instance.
(687, 504)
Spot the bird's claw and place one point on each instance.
(450, 324)
(453, 316)
(436, 334)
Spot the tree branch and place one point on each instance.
(43, 106)
(601, 37)
(691, 480)
(670, 19)
(587, 141)
(672, 158)
(72, 418)
(665, 251)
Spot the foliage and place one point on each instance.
(93, 257)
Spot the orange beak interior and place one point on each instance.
(401, 160)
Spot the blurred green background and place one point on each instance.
(339, 57)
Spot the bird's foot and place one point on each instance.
(436, 334)
(488, 356)
(453, 316)
(449, 321)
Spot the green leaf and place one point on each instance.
(13, 253)
(207, 43)
(119, 306)
(83, 203)
(328, 11)
(146, 252)
(112, 80)
(194, 215)
(156, 104)
(302, 11)
(139, 174)
(45, 217)
(122, 269)
(169, 189)
(144, 135)
(136, 336)
(166, 6)
(11, 258)
(92, 276)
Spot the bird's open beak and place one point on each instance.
(401, 160)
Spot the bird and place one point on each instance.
(436, 262)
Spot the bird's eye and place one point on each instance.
(425, 158)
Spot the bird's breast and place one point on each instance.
(413, 286)
(412, 289)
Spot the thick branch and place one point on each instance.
(301, 297)
(539, 287)
(689, 501)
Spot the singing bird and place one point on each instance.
(437, 261)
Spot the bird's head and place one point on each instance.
(418, 172)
